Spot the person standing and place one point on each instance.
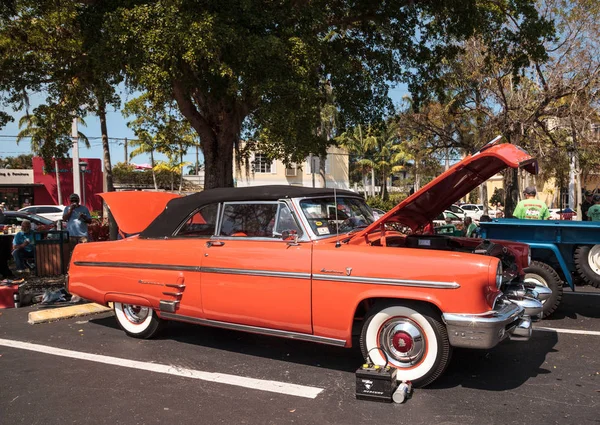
(531, 208)
(593, 213)
(586, 204)
(471, 228)
(23, 245)
(499, 210)
(77, 217)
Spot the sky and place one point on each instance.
(117, 132)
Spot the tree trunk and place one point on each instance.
(384, 189)
(484, 198)
(105, 149)
(108, 177)
(218, 162)
(181, 170)
(58, 188)
(364, 176)
(511, 191)
(372, 181)
(417, 184)
(153, 172)
(219, 127)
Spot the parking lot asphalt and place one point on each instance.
(178, 377)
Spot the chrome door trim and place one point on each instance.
(250, 272)
(386, 281)
(138, 265)
(255, 329)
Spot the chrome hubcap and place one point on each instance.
(594, 259)
(536, 280)
(135, 313)
(403, 341)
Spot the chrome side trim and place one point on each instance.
(262, 273)
(255, 329)
(271, 273)
(137, 265)
(386, 281)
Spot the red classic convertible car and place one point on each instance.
(313, 264)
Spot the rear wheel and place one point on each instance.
(412, 336)
(542, 274)
(587, 263)
(137, 321)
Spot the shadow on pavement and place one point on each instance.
(577, 306)
(507, 366)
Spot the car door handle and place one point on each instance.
(214, 243)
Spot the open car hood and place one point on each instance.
(432, 199)
(134, 211)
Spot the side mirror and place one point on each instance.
(290, 236)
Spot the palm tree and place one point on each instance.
(145, 143)
(391, 155)
(360, 144)
(48, 133)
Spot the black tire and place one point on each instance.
(428, 353)
(587, 263)
(542, 274)
(137, 321)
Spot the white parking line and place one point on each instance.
(567, 331)
(222, 378)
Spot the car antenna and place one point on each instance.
(337, 225)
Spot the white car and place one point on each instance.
(475, 211)
(51, 212)
(440, 220)
(458, 211)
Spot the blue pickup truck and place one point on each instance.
(560, 251)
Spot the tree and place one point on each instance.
(211, 59)
(20, 162)
(60, 48)
(360, 145)
(49, 136)
(159, 128)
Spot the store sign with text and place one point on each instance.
(10, 176)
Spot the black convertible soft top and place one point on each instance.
(179, 209)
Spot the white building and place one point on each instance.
(333, 173)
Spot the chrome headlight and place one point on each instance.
(499, 276)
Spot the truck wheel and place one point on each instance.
(137, 321)
(542, 274)
(413, 338)
(587, 263)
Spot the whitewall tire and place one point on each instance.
(137, 321)
(412, 336)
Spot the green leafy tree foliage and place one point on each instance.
(268, 67)
(230, 62)
(59, 48)
(159, 129)
(128, 177)
(497, 196)
(21, 162)
(48, 129)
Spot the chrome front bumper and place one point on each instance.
(511, 318)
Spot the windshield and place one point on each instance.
(325, 219)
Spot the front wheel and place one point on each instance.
(587, 262)
(412, 336)
(541, 274)
(137, 321)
